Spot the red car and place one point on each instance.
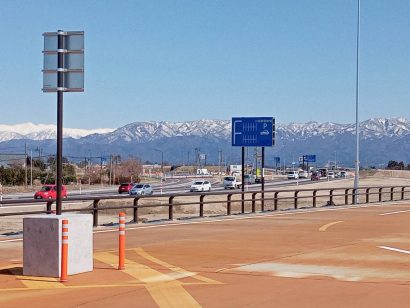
(50, 192)
(125, 187)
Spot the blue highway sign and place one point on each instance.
(309, 158)
(253, 132)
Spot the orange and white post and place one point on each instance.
(64, 252)
(121, 241)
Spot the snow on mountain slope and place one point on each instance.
(149, 131)
(43, 131)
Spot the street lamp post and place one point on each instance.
(356, 176)
(162, 161)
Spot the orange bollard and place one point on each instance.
(64, 252)
(121, 239)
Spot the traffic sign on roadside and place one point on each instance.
(253, 132)
(309, 158)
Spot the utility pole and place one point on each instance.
(335, 161)
(110, 169)
(162, 163)
(219, 162)
(101, 168)
(31, 167)
(25, 165)
(114, 165)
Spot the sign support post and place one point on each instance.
(63, 71)
(263, 180)
(60, 87)
(243, 181)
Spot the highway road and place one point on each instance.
(169, 186)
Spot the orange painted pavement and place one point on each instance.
(329, 257)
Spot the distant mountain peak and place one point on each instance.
(139, 132)
(32, 131)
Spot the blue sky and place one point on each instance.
(188, 60)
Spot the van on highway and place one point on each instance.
(293, 175)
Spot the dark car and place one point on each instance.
(50, 192)
(315, 176)
(125, 187)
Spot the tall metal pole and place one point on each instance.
(25, 165)
(162, 163)
(263, 179)
(357, 162)
(243, 181)
(60, 89)
(31, 167)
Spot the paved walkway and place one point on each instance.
(327, 257)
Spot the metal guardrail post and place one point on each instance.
(402, 193)
(392, 194)
(135, 210)
(331, 197)
(276, 201)
(95, 212)
(171, 208)
(314, 198)
(354, 192)
(48, 207)
(380, 194)
(201, 206)
(367, 195)
(254, 202)
(296, 199)
(228, 204)
(347, 196)
(243, 203)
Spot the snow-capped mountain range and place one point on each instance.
(43, 131)
(382, 139)
(149, 131)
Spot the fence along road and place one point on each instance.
(231, 201)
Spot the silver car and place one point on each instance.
(141, 189)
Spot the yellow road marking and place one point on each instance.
(166, 291)
(173, 268)
(32, 282)
(324, 227)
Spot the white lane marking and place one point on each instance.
(394, 249)
(304, 211)
(392, 213)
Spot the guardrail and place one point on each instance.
(268, 200)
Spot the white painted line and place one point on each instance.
(392, 213)
(394, 249)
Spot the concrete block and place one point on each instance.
(42, 244)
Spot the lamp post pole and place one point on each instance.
(357, 162)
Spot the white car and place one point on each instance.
(331, 175)
(342, 174)
(293, 175)
(303, 174)
(200, 185)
